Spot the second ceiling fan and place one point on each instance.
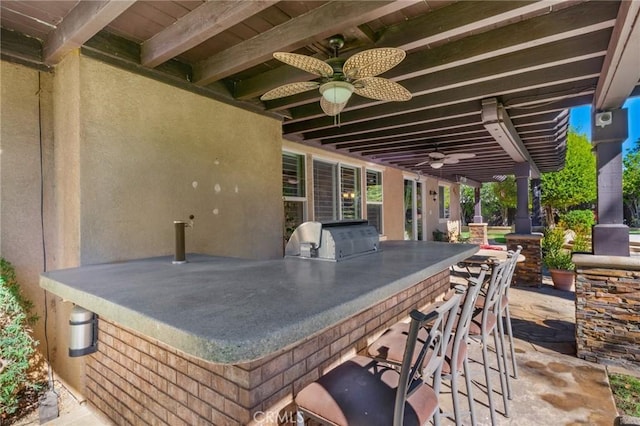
(340, 78)
(438, 159)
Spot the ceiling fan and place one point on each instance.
(438, 159)
(340, 78)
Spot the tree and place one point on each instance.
(506, 195)
(631, 183)
(576, 183)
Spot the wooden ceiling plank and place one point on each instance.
(319, 23)
(197, 26)
(81, 23)
(621, 70)
(446, 138)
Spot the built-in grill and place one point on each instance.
(333, 241)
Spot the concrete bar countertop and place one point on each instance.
(230, 310)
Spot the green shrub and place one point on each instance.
(559, 260)
(553, 255)
(579, 221)
(16, 344)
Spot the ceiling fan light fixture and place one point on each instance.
(336, 92)
(437, 164)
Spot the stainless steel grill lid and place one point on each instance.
(334, 241)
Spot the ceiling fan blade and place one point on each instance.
(381, 89)
(450, 160)
(422, 163)
(462, 155)
(305, 63)
(436, 155)
(289, 89)
(330, 108)
(372, 62)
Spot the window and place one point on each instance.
(444, 201)
(336, 191)
(374, 199)
(293, 191)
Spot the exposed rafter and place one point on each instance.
(197, 26)
(84, 21)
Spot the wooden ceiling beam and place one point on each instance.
(442, 141)
(319, 23)
(465, 17)
(84, 21)
(199, 25)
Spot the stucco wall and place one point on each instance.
(152, 154)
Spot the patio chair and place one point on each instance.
(363, 391)
(391, 344)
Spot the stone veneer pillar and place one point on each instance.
(478, 233)
(529, 272)
(607, 307)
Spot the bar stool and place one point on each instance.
(484, 324)
(363, 391)
(391, 344)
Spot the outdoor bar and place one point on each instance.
(231, 341)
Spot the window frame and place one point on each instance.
(374, 203)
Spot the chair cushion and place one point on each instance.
(475, 328)
(390, 347)
(362, 391)
(481, 299)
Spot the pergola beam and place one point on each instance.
(84, 21)
(200, 24)
(621, 70)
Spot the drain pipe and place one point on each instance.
(180, 226)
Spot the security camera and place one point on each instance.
(603, 119)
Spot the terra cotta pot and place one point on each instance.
(562, 279)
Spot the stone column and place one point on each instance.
(478, 229)
(536, 217)
(523, 221)
(607, 326)
(529, 272)
(610, 235)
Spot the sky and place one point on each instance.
(580, 120)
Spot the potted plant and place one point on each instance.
(557, 259)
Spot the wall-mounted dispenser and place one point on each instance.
(83, 333)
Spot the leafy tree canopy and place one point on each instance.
(576, 183)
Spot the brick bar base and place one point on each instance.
(529, 272)
(607, 312)
(478, 233)
(133, 379)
